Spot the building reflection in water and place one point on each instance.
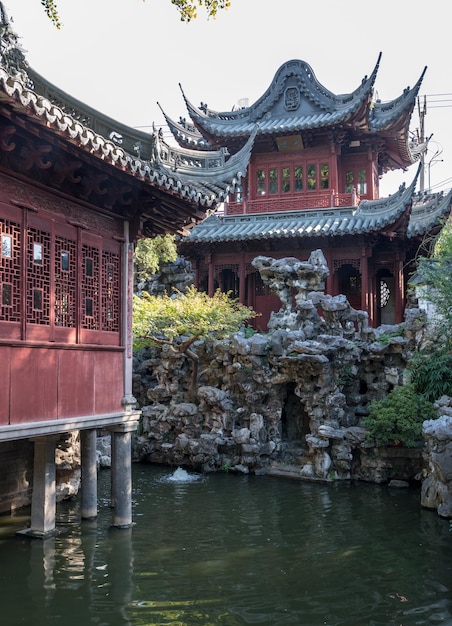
(81, 579)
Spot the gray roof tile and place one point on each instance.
(370, 217)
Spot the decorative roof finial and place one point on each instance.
(12, 56)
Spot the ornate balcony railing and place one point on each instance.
(272, 204)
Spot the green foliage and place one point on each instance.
(431, 374)
(188, 12)
(397, 418)
(193, 315)
(347, 375)
(187, 9)
(180, 320)
(443, 244)
(149, 253)
(435, 274)
(52, 12)
(385, 338)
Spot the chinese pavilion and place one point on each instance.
(76, 191)
(313, 182)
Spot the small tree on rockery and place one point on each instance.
(180, 320)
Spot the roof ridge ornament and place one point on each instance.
(12, 56)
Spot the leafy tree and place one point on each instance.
(187, 9)
(431, 373)
(181, 320)
(149, 253)
(435, 274)
(431, 368)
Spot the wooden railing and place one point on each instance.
(272, 204)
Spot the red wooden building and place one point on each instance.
(313, 182)
(76, 190)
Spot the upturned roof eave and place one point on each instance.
(392, 121)
(239, 123)
(33, 105)
(395, 113)
(225, 176)
(377, 216)
(185, 136)
(429, 213)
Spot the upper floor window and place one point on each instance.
(298, 178)
(273, 180)
(286, 176)
(260, 174)
(324, 176)
(356, 179)
(292, 178)
(312, 177)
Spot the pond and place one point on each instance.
(232, 550)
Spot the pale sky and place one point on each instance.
(122, 56)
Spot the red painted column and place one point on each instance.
(334, 182)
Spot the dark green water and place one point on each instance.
(229, 550)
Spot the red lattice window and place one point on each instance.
(10, 277)
(65, 282)
(38, 276)
(110, 291)
(90, 287)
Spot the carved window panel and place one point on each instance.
(38, 276)
(273, 180)
(65, 282)
(312, 177)
(110, 291)
(10, 271)
(260, 180)
(356, 180)
(90, 287)
(298, 176)
(285, 175)
(324, 176)
(292, 177)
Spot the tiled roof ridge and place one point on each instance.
(240, 121)
(370, 217)
(186, 185)
(18, 83)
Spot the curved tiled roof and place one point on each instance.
(143, 155)
(297, 103)
(428, 211)
(294, 101)
(371, 216)
(188, 182)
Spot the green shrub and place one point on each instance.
(431, 374)
(397, 418)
